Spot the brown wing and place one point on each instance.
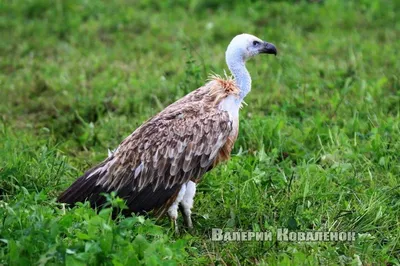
(150, 165)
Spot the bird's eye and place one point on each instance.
(256, 43)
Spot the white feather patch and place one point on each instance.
(173, 209)
(231, 104)
(187, 201)
(139, 169)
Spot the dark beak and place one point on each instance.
(268, 48)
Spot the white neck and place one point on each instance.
(236, 65)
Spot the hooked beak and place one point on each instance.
(268, 48)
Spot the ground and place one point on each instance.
(318, 146)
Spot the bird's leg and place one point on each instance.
(173, 215)
(187, 219)
(186, 204)
(173, 209)
(174, 224)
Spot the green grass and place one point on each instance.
(318, 146)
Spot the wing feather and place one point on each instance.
(149, 167)
(168, 151)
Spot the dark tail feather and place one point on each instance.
(140, 202)
(85, 188)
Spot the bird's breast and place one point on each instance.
(231, 104)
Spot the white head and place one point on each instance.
(244, 46)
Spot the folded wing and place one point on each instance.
(149, 167)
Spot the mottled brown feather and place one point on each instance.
(179, 144)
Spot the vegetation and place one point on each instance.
(318, 147)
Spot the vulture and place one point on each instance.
(157, 167)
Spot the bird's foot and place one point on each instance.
(174, 226)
